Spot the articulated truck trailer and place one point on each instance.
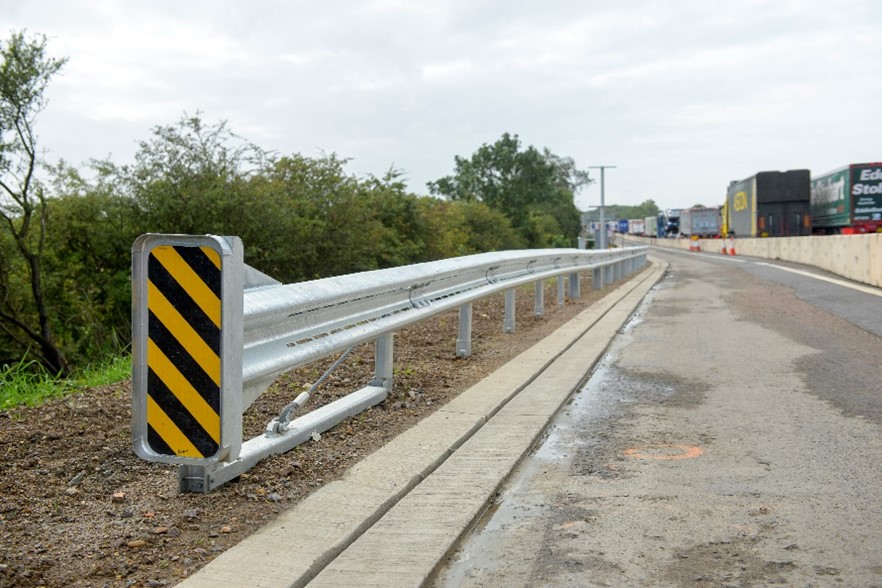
(848, 200)
(770, 204)
(700, 222)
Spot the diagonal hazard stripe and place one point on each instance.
(212, 255)
(181, 330)
(163, 281)
(169, 432)
(195, 404)
(190, 281)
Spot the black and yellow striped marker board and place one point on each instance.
(179, 348)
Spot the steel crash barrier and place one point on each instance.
(210, 334)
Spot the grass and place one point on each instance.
(27, 383)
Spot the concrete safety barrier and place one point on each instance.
(856, 257)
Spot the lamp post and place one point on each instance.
(602, 168)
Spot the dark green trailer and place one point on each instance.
(770, 204)
(848, 200)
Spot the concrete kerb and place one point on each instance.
(326, 536)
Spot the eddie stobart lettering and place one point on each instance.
(867, 189)
(860, 189)
(865, 183)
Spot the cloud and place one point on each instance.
(456, 71)
(650, 86)
(307, 58)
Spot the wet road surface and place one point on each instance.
(731, 436)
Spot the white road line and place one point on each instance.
(858, 287)
(724, 258)
(707, 254)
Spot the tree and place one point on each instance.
(189, 177)
(87, 263)
(402, 227)
(523, 184)
(317, 220)
(25, 71)
(612, 211)
(488, 229)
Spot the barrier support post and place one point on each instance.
(383, 362)
(508, 325)
(575, 291)
(597, 278)
(539, 309)
(464, 341)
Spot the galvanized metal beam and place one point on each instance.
(281, 327)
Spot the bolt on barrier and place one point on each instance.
(210, 334)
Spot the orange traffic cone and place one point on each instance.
(731, 247)
(694, 245)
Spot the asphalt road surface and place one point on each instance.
(731, 436)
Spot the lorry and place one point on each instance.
(700, 222)
(770, 204)
(650, 226)
(848, 200)
(636, 226)
(673, 222)
(661, 223)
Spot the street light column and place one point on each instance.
(602, 168)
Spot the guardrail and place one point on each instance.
(211, 334)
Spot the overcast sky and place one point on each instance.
(682, 96)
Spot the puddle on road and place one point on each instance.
(600, 398)
(518, 505)
(594, 402)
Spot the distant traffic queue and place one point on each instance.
(847, 200)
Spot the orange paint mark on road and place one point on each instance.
(664, 451)
(569, 524)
